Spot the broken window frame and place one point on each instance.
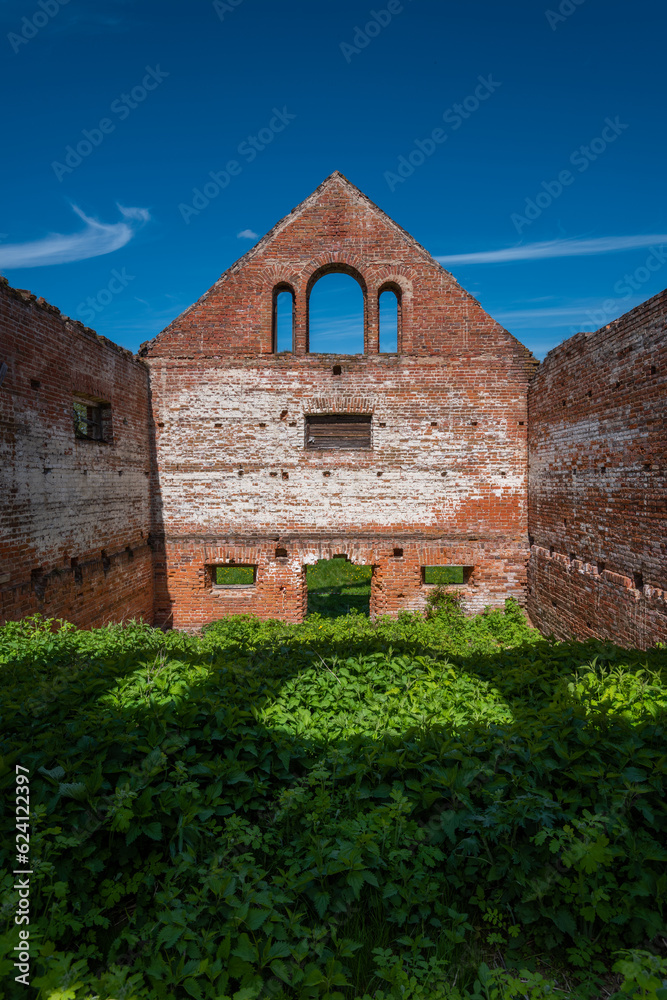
(96, 424)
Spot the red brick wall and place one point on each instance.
(445, 480)
(75, 515)
(597, 501)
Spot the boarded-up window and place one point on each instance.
(92, 419)
(338, 430)
(444, 575)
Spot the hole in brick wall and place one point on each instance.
(572, 557)
(215, 425)
(293, 423)
(380, 473)
(337, 369)
(473, 423)
(337, 586)
(551, 550)
(553, 604)
(638, 581)
(281, 553)
(162, 425)
(78, 572)
(262, 425)
(106, 562)
(590, 392)
(565, 522)
(120, 472)
(434, 423)
(653, 369)
(647, 466)
(283, 320)
(35, 383)
(46, 469)
(531, 540)
(283, 414)
(603, 469)
(601, 565)
(388, 321)
(240, 472)
(128, 552)
(563, 402)
(285, 475)
(274, 474)
(503, 473)
(521, 423)
(443, 473)
(445, 575)
(326, 474)
(336, 315)
(618, 385)
(398, 553)
(588, 624)
(382, 425)
(38, 583)
(232, 576)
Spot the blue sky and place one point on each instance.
(530, 139)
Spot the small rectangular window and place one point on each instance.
(92, 419)
(338, 431)
(233, 576)
(443, 576)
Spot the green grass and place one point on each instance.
(234, 575)
(336, 587)
(443, 575)
(333, 810)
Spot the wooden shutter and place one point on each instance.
(340, 430)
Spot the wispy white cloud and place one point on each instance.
(94, 240)
(556, 248)
(247, 234)
(582, 317)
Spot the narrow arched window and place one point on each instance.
(283, 319)
(389, 317)
(336, 315)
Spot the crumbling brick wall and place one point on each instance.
(445, 481)
(597, 511)
(74, 519)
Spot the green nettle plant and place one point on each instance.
(429, 806)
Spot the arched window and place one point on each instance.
(389, 311)
(283, 319)
(336, 315)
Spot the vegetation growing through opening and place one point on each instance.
(433, 806)
(444, 574)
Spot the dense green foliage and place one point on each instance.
(335, 809)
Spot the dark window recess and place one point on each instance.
(444, 575)
(233, 576)
(106, 563)
(281, 553)
(35, 383)
(638, 581)
(601, 566)
(340, 430)
(92, 420)
(337, 370)
(398, 553)
(128, 552)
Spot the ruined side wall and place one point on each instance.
(597, 489)
(445, 480)
(75, 514)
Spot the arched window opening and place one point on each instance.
(389, 313)
(283, 320)
(336, 316)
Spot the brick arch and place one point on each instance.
(340, 266)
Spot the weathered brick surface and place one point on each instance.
(597, 499)
(445, 479)
(75, 514)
